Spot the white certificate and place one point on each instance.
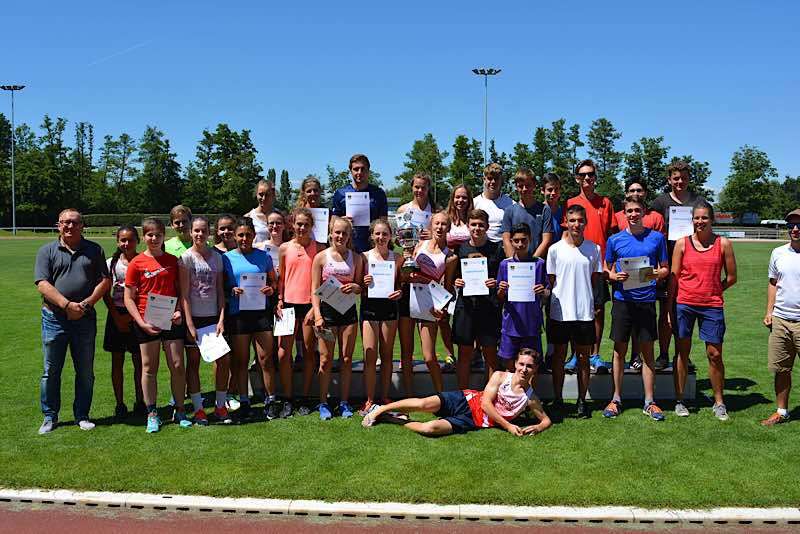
(321, 218)
(212, 347)
(274, 253)
(637, 268)
(285, 326)
(330, 293)
(159, 310)
(357, 207)
(252, 298)
(680, 222)
(420, 217)
(474, 272)
(441, 297)
(521, 279)
(420, 302)
(382, 279)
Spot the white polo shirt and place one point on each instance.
(784, 266)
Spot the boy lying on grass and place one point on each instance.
(507, 396)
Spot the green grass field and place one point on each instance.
(693, 462)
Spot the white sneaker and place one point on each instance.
(86, 425)
(681, 410)
(720, 412)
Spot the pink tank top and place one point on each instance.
(342, 270)
(699, 281)
(297, 280)
(458, 235)
(431, 264)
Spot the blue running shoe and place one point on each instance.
(324, 411)
(570, 366)
(653, 412)
(345, 410)
(181, 419)
(153, 423)
(598, 366)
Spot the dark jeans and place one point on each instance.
(58, 333)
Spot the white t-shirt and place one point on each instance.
(260, 225)
(784, 266)
(202, 282)
(572, 298)
(495, 208)
(118, 280)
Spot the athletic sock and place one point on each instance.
(617, 399)
(783, 412)
(221, 396)
(647, 402)
(197, 401)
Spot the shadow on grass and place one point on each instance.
(734, 402)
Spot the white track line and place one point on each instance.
(388, 510)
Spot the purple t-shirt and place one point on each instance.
(522, 319)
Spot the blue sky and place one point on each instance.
(319, 82)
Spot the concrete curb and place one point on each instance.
(466, 512)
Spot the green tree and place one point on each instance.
(272, 176)
(602, 138)
(574, 137)
(647, 161)
(425, 157)
(285, 193)
(522, 158)
(541, 152)
(159, 186)
(747, 188)
(5, 171)
(560, 157)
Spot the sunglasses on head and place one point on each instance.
(590, 174)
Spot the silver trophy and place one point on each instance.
(407, 237)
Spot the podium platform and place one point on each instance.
(601, 386)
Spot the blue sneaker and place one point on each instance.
(570, 366)
(181, 419)
(653, 412)
(598, 366)
(325, 411)
(153, 423)
(345, 410)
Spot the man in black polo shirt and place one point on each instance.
(71, 274)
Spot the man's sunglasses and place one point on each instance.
(590, 174)
(792, 226)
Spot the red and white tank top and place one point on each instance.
(507, 403)
(342, 270)
(431, 264)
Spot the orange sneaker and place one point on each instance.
(200, 417)
(775, 419)
(221, 415)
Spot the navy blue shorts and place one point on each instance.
(710, 320)
(455, 410)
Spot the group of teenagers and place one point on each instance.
(577, 249)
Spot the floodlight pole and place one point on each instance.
(13, 88)
(485, 73)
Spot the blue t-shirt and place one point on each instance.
(557, 229)
(378, 207)
(537, 217)
(522, 319)
(626, 245)
(235, 264)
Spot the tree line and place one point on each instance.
(125, 174)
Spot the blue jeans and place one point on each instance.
(58, 333)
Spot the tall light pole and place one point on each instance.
(13, 88)
(485, 73)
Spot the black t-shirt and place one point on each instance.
(662, 203)
(494, 254)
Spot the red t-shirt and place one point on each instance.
(600, 219)
(652, 219)
(152, 275)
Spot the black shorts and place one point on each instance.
(404, 304)
(600, 293)
(249, 322)
(578, 332)
(334, 318)
(633, 318)
(116, 341)
(378, 309)
(300, 310)
(455, 410)
(199, 322)
(481, 324)
(178, 331)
